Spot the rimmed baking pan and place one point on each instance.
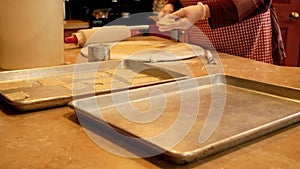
(190, 119)
(39, 88)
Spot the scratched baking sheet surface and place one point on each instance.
(54, 86)
(250, 109)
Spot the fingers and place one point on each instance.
(164, 28)
(167, 9)
(182, 23)
(154, 18)
(180, 20)
(181, 13)
(160, 15)
(166, 20)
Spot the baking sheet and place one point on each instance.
(249, 109)
(55, 86)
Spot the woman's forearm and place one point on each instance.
(226, 12)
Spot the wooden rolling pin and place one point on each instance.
(103, 34)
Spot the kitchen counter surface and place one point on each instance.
(53, 138)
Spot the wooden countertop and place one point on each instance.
(53, 138)
(75, 24)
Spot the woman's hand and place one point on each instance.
(167, 9)
(185, 17)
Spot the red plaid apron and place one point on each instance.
(251, 38)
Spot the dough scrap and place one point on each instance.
(142, 80)
(14, 85)
(77, 86)
(111, 71)
(103, 80)
(51, 81)
(17, 96)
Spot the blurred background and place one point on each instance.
(100, 12)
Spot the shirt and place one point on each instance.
(241, 20)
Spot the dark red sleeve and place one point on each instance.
(227, 12)
(222, 13)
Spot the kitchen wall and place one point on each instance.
(82, 9)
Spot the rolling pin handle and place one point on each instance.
(72, 39)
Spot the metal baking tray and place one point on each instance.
(229, 111)
(47, 87)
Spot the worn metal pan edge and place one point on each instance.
(216, 147)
